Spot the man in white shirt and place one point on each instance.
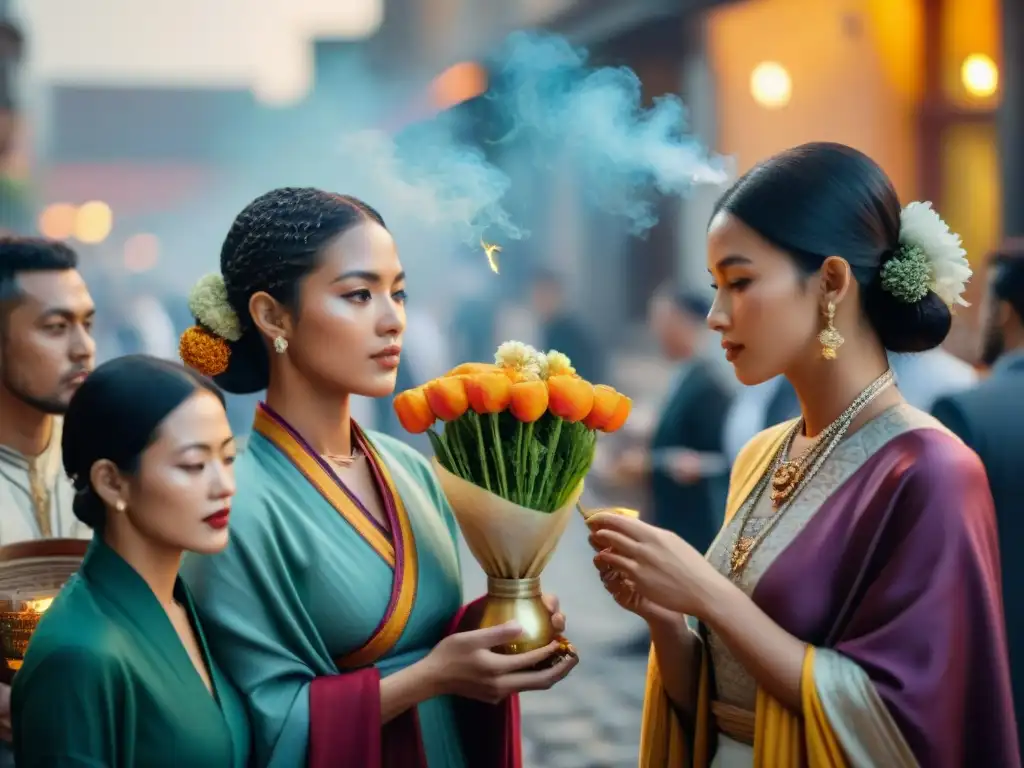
(46, 351)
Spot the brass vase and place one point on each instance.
(517, 600)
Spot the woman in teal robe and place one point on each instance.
(117, 673)
(335, 607)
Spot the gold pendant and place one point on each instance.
(785, 479)
(740, 554)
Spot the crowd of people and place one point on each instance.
(821, 571)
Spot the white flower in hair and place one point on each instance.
(208, 302)
(921, 227)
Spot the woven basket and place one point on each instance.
(31, 571)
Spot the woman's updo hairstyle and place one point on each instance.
(822, 199)
(115, 415)
(273, 243)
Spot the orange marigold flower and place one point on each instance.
(447, 397)
(413, 411)
(606, 400)
(201, 350)
(529, 400)
(620, 415)
(488, 392)
(569, 397)
(470, 368)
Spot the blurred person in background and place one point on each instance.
(990, 419)
(46, 351)
(118, 673)
(357, 660)
(851, 608)
(925, 377)
(684, 462)
(562, 329)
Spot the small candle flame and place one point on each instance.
(38, 606)
(491, 251)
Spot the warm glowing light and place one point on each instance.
(491, 251)
(57, 221)
(770, 85)
(38, 606)
(459, 83)
(93, 222)
(141, 252)
(980, 75)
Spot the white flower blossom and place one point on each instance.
(920, 225)
(520, 357)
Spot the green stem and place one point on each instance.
(550, 457)
(519, 463)
(459, 450)
(528, 465)
(499, 454)
(448, 458)
(481, 451)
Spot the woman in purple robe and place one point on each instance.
(850, 610)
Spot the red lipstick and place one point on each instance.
(218, 520)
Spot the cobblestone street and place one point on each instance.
(591, 719)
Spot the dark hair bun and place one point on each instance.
(904, 327)
(248, 368)
(822, 199)
(114, 416)
(89, 508)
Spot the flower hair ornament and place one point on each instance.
(929, 258)
(204, 346)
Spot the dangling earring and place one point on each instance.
(829, 338)
(280, 345)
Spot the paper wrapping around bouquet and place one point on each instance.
(508, 540)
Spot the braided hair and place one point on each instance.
(273, 243)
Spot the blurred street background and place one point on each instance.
(137, 130)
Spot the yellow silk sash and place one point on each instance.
(782, 739)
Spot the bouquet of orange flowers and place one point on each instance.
(517, 442)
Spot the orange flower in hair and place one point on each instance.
(201, 350)
(413, 411)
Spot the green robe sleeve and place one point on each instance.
(67, 710)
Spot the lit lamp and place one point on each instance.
(93, 222)
(770, 85)
(980, 75)
(31, 575)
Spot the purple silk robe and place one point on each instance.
(895, 566)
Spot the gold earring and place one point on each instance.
(280, 345)
(829, 338)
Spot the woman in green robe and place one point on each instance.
(118, 672)
(336, 606)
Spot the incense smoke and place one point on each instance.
(557, 108)
(561, 107)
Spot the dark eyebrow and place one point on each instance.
(68, 314)
(370, 277)
(204, 446)
(732, 260)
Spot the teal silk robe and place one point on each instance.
(313, 602)
(107, 682)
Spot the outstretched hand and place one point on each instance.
(656, 564)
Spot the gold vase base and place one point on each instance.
(520, 600)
